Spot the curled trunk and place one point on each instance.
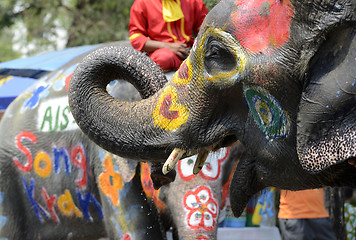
(123, 128)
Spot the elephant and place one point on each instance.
(55, 183)
(277, 75)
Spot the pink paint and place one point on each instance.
(262, 25)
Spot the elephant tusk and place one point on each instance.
(172, 160)
(199, 163)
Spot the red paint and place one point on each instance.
(262, 25)
(166, 105)
(201, 207)
(67, 81)
(21, 136)
(50, 200)
(183, 71)
(202, 237)
(206, 168)
(147, 186)
(126, 236)
(76, 155)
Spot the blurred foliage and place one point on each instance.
(210, 3)
(86, 21)
(6, 51)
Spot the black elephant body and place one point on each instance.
(277, 75)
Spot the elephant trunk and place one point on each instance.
(123, 128)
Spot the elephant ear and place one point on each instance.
(326, 128)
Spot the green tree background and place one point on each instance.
(36, 23)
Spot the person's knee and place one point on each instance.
(166, 59)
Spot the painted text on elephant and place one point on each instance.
(55, 115)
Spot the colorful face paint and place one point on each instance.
(267, 113)
(184, 73)
(202, 208)
(220, 76)
(262, 25)
(168, 114)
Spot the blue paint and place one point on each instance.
(61, 153)
(84, 200)
(41, 91)
(267, 113)
(30, 190)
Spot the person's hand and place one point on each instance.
(180, 49)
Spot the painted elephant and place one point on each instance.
(191, 204)
(57, 184)
(278, 75)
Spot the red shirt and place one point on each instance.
(302, 204)
(146, 21)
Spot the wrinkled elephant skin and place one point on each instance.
(277, 75)
(57, 184)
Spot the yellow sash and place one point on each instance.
(171, 10)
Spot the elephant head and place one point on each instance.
(278, 75)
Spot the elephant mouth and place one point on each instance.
(203, 153)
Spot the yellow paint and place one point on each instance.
(42, 164)
(183, 81)
(162, 121)
(256, 217)
(66, 205)
(224, 77)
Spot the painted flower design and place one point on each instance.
(211, 169)
(110, 182)
(202, 208)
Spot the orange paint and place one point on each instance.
(42, 164)
(66, 205)
(147, 186)
(110, 182)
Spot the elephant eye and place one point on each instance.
(218, 58)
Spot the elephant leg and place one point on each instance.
(244, 184)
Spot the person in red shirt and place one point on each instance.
(302, 216)
(164, 29)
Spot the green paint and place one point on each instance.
(267, 113)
